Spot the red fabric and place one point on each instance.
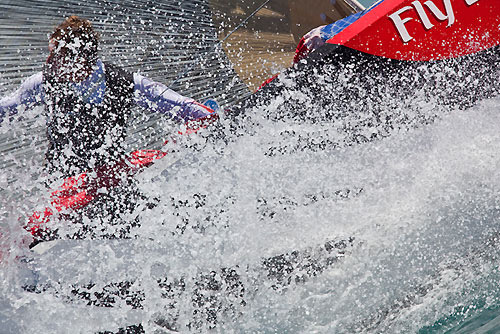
(265, 83)
(301, 52)
(77, 191)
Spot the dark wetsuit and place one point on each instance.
(83, 134)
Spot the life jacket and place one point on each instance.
(83, 134)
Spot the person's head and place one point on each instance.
(73, 49)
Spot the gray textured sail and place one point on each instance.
(162, 39)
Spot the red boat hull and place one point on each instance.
(424, 30)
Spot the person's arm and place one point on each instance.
(157, 97)
(317, 37)
(29, 95)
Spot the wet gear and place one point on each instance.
(86, 121)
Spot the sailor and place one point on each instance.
(88, 102)
(317, 37)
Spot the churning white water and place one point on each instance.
(418, 211)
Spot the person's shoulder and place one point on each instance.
(32, 82)
(34, 79)
(109, 66)
(117, 73)
(114, 69)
